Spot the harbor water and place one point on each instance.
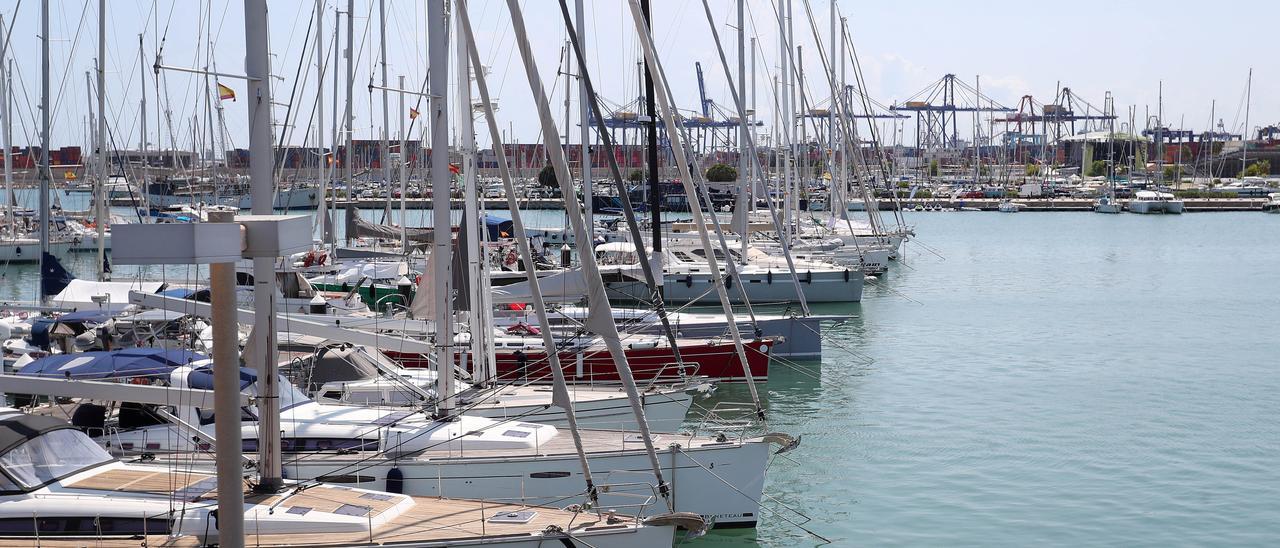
(1064, 379)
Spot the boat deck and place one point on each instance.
(426, 520)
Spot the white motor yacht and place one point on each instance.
(1151, 201)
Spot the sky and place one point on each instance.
(1201, 52)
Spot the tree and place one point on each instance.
(1260, 168)
(547, 177)
(1032, 169)
(636, 176)
(1170, 172)
(721, 173)
(1098, 167)
(933, 168)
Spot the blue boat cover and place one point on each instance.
(129, 362)
(202, 378)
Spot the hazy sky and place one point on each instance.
(1202, 52)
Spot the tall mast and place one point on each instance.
(438, 82)
(6, 133)
(584, 115)
(1159, 134)
(351, 78)
(834, 195)
(385, 151)
(404, 180)
(323, 215)
(1244, 135)
(753, 190)
(471, 215)
(99, 194)
(261, 158)
(740, 206)
(326, 232)
(655, 189)
(44, 135)
(142, 115)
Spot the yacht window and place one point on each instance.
(52, 456)
(206, 416)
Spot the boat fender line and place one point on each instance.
(808, 276)
(769, 277)
(846, 275)
(688, 280)
(785, 441)
(728, 283)
(395, 480)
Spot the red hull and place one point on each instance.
(717, 361)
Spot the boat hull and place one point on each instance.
(830, 286)
(595, 364)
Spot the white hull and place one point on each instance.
(720, 481)
(28, 251)
(289, 198)
(776, 287)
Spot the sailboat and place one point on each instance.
(1107, 202)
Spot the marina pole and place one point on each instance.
(226, 396)
(257, 70)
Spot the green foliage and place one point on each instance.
(924, 193)
(636, 176)
(1032, 169)
(721, 173)
(1097, 168)
(1204, 194)
(1260, 168)
(1170, 172)
(934, 170)
(1011, 194)
(904, 184)
(547, 177)
(984, 170)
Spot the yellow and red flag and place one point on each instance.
(455, 169)
(413, 113)
(225, 93)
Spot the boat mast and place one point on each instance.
(351, 78)
(385, 151)
(6, 133)
(1160, 135)
(584, 114)
(44, 138)
(438, 82)
(600, 314)
(1244, 135)
(655, 189)
(471, 216)
(142, 115)
(327, 233)
(322, 216)
(257, 70)
(561, 396)
(99, 194)
(404, 180)
(740, 206)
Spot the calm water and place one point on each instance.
(1055, 379)
(1038, 379)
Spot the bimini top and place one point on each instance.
(129, 362)
(17, 427)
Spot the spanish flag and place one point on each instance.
(454, 169)
(413, 113)
(225, 93)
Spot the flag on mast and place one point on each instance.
(413, 113)
(225, 93)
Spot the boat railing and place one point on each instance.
(729, 420)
